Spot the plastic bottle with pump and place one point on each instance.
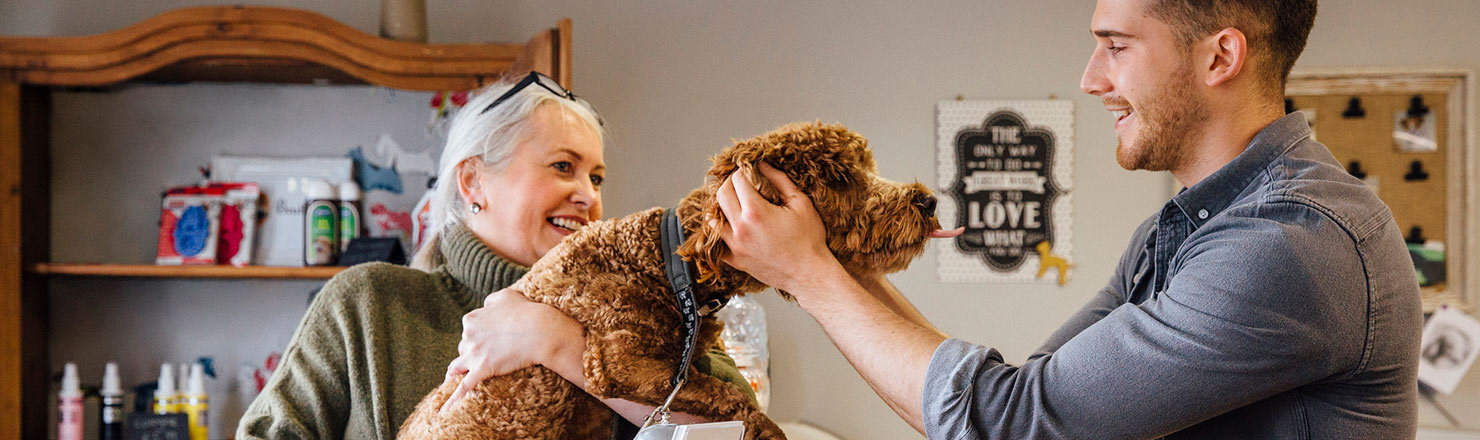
(110, 427)
(349, 214)
(69, 406)
(197, 404)
(745, 341)
(165, 394)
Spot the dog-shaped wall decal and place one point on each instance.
(1047, 259)
(610, 277)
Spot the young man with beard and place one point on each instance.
(1273, 298)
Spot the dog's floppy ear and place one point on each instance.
(705, 247)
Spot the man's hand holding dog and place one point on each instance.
(785, 247)
(782, 246)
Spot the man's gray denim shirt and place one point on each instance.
(1273, 300)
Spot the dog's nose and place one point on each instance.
(926, 203)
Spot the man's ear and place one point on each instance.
(1229, 53)
(469, 177)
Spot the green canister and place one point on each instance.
(320, 224)
(349, 214)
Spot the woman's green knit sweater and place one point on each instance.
(378, 338)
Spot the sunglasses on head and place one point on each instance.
(549, 84)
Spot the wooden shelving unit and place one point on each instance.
(198, 271)
(217, 44)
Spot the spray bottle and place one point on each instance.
(69, 406)
(197, 404)
(111, 426)
(164, 396)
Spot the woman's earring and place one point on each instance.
(475, 208)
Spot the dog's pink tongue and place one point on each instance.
(941, 233)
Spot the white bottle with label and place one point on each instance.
(196, 405)
(165, 398)
(110, 426)
(746, 342)
(69, 406)
(320, 223)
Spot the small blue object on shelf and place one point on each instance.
(372, 177)
(192, 230)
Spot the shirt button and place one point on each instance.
(1202, 214)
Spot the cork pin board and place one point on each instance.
(1409, 135)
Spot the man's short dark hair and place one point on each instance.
(1276, 29)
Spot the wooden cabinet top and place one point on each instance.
(274, 45)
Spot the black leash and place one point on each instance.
(681, 278)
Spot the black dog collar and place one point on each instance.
(680, 277)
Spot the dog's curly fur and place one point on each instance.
(609, 276)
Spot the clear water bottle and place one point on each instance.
(745, 341)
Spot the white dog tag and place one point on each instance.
(732, 430)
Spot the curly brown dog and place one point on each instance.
(610, 277)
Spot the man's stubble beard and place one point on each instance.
(1170, 121)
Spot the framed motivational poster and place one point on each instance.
(1006, 175)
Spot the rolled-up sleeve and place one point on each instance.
(1248, 315)
(950, 388)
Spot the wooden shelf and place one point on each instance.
(216, 44)
(196, 271)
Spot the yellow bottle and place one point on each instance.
(164, 395)
(197, 404)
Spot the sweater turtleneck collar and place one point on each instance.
(478, 268)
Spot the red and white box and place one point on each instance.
(189, 223)
(238, 223)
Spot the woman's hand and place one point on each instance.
(508, 333)
(511, 332)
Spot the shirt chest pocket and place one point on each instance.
(1141, 283)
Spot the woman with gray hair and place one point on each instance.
(522, 169)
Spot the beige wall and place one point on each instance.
(677, 79)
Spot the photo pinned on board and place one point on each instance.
(1310, 120)
(1413, 128)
